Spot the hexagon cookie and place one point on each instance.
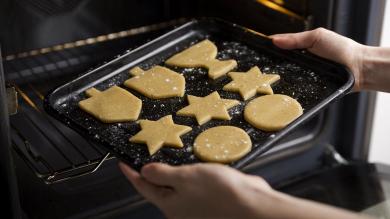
(156, 83)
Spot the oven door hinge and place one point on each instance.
(12, 100)
(308, 23)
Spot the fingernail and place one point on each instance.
(274, 36)
(121, 165)
(145, 171)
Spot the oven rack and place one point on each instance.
(54, 152)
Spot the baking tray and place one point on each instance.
(313, 81)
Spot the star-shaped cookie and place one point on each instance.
(251, 82)
(163, 132)
(206, 108)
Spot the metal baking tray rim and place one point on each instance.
(48, 105)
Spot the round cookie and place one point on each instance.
(222, 144)
(272, 112)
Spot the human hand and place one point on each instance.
(218, 191)
(201, 190)
(329, 45)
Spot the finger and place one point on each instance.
(128, 172)
(302, 40)
(161, 174)
(151, 192)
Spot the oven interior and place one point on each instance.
(47, 43)
(54, 151)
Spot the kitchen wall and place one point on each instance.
(380, 136)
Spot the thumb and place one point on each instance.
(161, 174)
(302, 40)
(151, 192)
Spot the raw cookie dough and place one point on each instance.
(272, 112)
(163, 132)
(251, 82)
(202, 54)
(112, 105)
(206, 108)
(156, 83)
(222, 144)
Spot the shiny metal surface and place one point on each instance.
(12, 100)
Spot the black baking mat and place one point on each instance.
(314, 82)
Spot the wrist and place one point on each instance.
(277, 205)
(367, 63)
(356, 65)
(375, 68)
(266, 204)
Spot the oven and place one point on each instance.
(50, 171)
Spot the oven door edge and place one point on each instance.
(8, 186)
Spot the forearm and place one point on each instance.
(376, 68)
(280, 205)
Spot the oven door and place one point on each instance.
(79, 180)
(8, 186)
